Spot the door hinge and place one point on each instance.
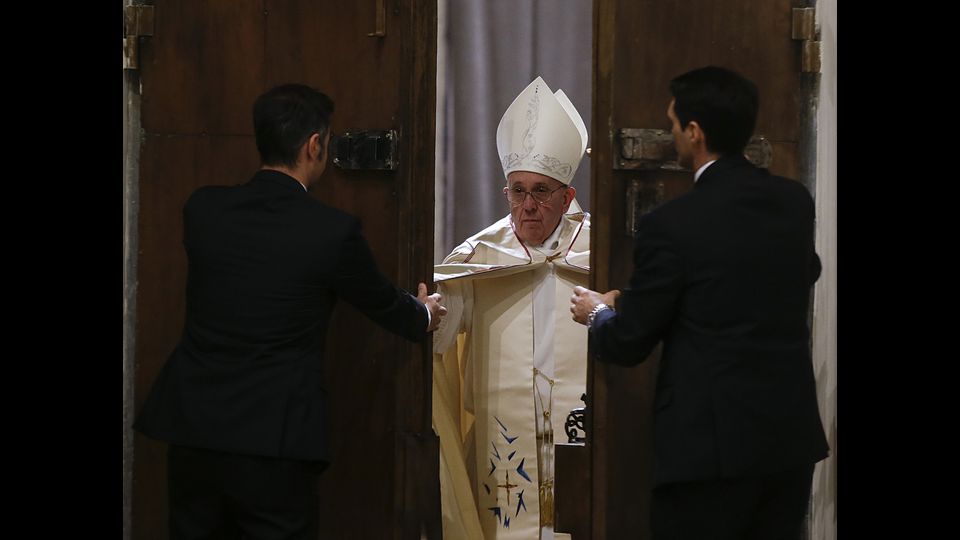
(805, 30)
(137, 23)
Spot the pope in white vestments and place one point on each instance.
(510, 363)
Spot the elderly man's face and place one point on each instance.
(535, 220)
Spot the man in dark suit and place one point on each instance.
(241, 399)
(722, 276)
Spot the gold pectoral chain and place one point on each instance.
(546, 412)
(546, 438)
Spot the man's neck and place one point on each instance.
(297, 174)
(699, 171)
(702, 158)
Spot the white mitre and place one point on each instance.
(541, 132)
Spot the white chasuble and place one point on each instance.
(509, 365)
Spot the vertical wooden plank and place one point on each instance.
(601, 225)
(663, 39)
(572, 477)
(417, 22)
(203, 67)
(325, 45)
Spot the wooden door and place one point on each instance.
(200, 72)
(639, 46)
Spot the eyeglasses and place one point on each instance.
(540, 194)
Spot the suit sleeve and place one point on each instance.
(359, 282)
(815, 266)
(646, 308)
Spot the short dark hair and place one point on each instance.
(285, 117)
(722, 102)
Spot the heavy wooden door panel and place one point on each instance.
(203, 67)
(201, 70)
(639, 46)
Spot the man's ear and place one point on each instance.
(568, 196)
(695, 133)
(315, 147)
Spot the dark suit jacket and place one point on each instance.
(267, 263)
(722, 276)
